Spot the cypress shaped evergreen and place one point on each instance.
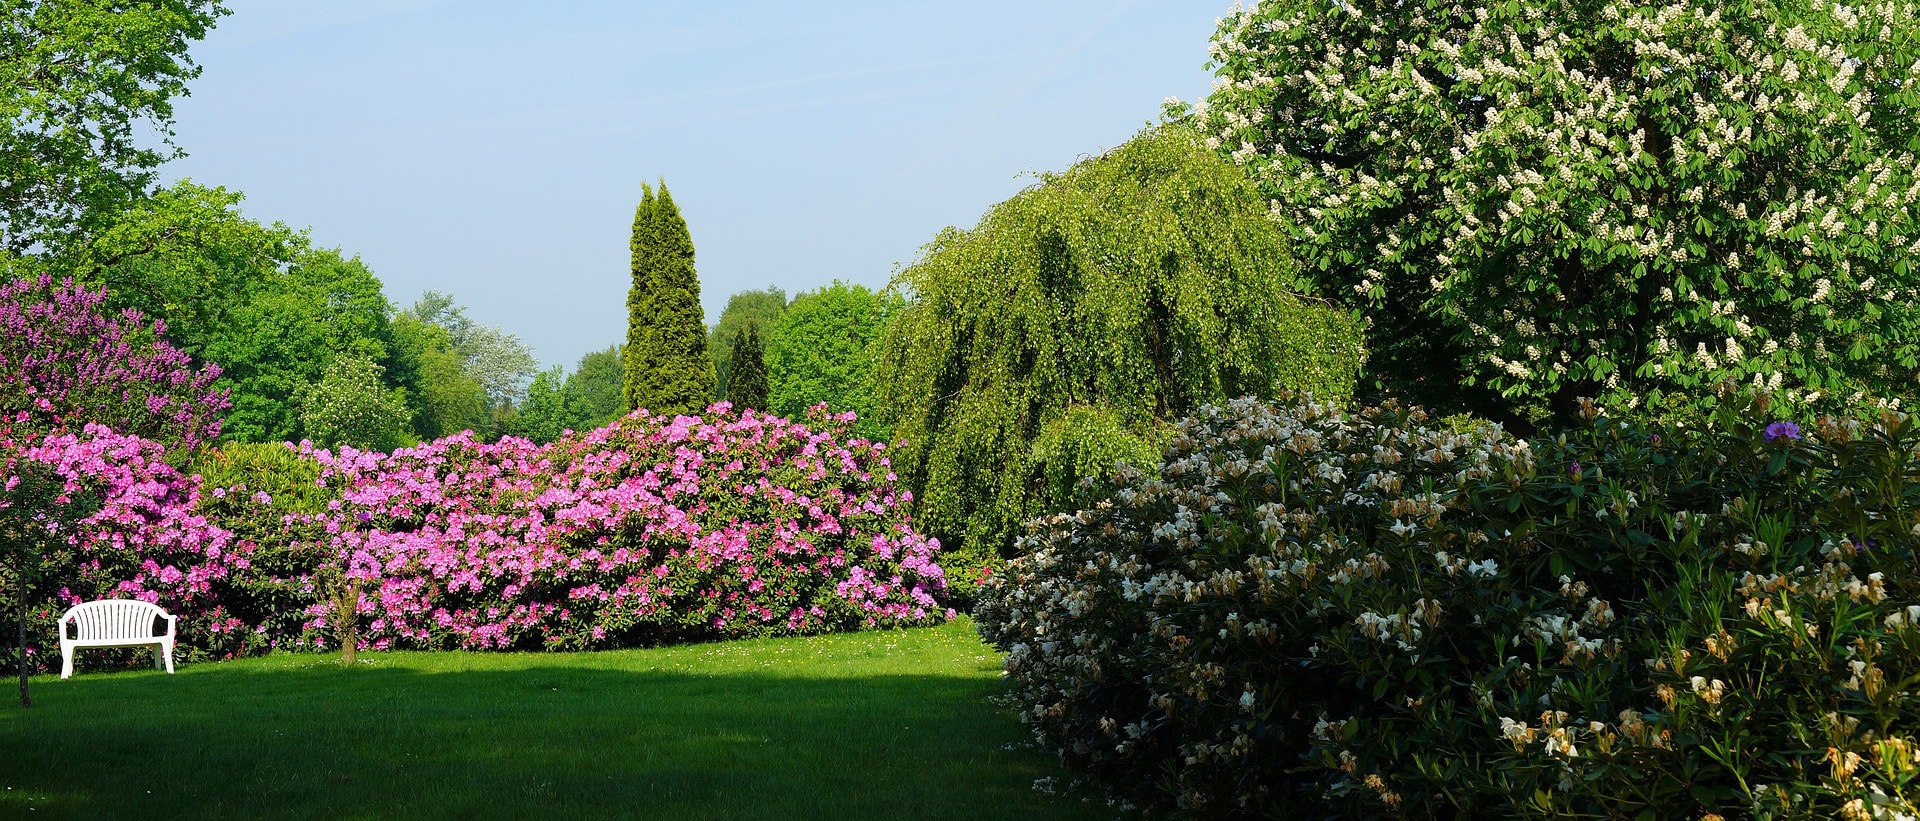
(667, 368)
(747, 373)
(639, 303)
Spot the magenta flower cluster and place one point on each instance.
(65, 360)
(649, 530)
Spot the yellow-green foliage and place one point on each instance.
(1134, 287)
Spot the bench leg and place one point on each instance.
(168, 649)
(66, 662)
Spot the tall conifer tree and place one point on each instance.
(667, 369)
(747, 383)
(639, 302)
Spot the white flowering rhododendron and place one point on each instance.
(1321, 612)
(1547, 201)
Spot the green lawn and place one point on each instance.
(872, 725)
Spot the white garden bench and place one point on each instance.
(115, 623)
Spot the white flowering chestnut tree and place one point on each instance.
(1537, 201)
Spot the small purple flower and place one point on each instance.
(1574, 470)
(364, 516)
(1779, 430)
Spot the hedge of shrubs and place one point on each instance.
(1315, 613)
(649, 530)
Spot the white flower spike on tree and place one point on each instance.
(1542, 201)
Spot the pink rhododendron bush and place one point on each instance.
(646, 531)
(140, 537)
(1316, 612)
(650, 530)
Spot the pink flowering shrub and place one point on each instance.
(648, 530)
(65, 361)
(142, 539)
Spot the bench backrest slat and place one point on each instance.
(114, 619)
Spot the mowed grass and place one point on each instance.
(882, 725)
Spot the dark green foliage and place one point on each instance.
(85, 87)
(1081, 317)
(592, 392)
(821, 352)
(760, 308)
(748, 386)
(667, 369)
(322, 308)
(641, 333)
(1317, 613)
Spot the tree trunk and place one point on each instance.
(348, 606)
(25, 700)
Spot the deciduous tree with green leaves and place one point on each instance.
(667, 369)
(351, 406)
(1538, 201)
(592, 392)
(820, 351)
(85, 85)
(259, 299)
(442, 398)
(497, 360)
(1079, 319)
(748, 386)
(543, 415)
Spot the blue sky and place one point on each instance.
(496, 150)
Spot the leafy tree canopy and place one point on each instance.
(544, 415)
(443, 398)
(84, 86)
(821, 351)
(260, 300)
(497, 360)
(351, 405)
(1536, 201)
(761, 308)
(1103, 302)
(592, 392)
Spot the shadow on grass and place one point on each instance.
(546, 740)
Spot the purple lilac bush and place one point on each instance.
(66, 361)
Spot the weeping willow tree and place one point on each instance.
(1082, 317)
